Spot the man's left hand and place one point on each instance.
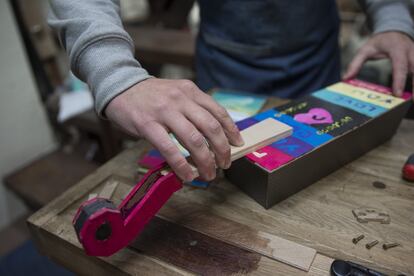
(393, 45)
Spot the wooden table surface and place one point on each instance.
(217, 230)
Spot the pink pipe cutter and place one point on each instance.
(103, 229)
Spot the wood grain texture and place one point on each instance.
(171, 252)
(192, 250)
(241, 235)
(194, 216)
(319, 217)
(108, 189)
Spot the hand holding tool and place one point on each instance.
(103, 229)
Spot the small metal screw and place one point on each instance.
(357, 239)
(386, 246)
(371, 244)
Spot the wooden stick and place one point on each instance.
(257, 136)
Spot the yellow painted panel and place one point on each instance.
(365, 95)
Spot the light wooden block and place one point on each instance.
(259, 135)
(288, 252)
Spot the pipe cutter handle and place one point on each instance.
(103, 229)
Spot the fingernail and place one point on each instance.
(398, 93)
(228, 164)
(212, 176)
(240, 141)
(189, 177)
(224, 164)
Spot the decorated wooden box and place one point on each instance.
(332, 127)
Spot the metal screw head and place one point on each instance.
(357, 239)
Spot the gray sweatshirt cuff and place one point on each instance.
(109, 67)
(391, 16)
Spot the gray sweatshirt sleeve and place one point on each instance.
(389, 15)
(101, 52)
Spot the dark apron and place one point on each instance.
(274, 47)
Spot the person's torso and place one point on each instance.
(281, 47)
(267, 26)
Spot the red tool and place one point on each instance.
(408, 169)
(103, 229)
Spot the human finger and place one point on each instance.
(399, 71)
(194, 142)
(355, 66)
(213, 131)
(222, 116)
(159, 138)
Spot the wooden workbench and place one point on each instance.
(220, 230)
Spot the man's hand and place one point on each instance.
(154, 107)
(393, 45)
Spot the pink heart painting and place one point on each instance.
(315, 116)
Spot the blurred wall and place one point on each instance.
(24, 130)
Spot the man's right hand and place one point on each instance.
(154, 107)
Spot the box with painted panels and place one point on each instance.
(332, 127)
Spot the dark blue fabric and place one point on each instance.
(25, 260)
(274, 47)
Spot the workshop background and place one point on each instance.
(50, 135)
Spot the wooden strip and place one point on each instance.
(197, 218)
(193, 251)
(289, 252)
(72, 256)
(259, 135)
(190, 214)
(109, 188)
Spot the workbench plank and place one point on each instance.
(192, 250)
(133, 262)
(323, 219)
(196, 217)
(319, 216)
(61, 226)
(70, 255)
